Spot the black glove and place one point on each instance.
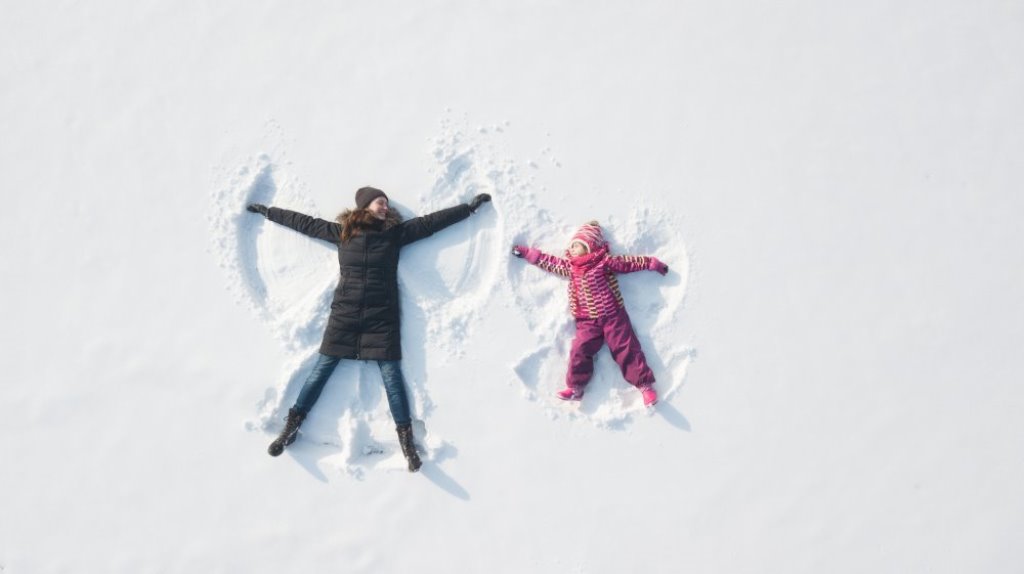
(478, 201)
(257, 208)
(517, 251)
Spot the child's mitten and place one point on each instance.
(528, 253)
(656, 265)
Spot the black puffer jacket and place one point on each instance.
(365, 319)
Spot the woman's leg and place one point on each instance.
(307, 398)
(315, 382)
(398, 401)
(394, 388)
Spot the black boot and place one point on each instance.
(289, 433)
(408, 448)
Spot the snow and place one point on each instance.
(834, 189)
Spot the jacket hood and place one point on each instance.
(353, 221)
(590, 235)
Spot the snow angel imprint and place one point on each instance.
(364, 323)
(596, 304)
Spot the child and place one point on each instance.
(596, 304)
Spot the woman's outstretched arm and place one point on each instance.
(427, 225)
(420, 227)
(312, 226)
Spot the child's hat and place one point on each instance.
(590, 235)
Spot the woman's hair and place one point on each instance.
(353, 221)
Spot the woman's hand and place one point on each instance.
(479, 200)
(257, 208)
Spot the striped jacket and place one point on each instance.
(593, 288)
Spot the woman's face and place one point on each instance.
(379, 208)
(576, 249)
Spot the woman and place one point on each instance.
(365, 322)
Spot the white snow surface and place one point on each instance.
(835, 189)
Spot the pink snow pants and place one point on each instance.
(591, 334)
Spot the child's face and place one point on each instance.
(576, 249)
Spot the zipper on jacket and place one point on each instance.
(362, 302)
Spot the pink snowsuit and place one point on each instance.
(596, 303)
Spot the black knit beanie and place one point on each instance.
(366, 195)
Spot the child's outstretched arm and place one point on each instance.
(631, 263)
(550, 263)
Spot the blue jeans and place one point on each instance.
(390, 372)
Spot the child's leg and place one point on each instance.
(588, 341)
(625, 348)
(394, 387)
(315, 382)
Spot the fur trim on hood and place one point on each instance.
(355, 220)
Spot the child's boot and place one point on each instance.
(570, 394)
(650, 395)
